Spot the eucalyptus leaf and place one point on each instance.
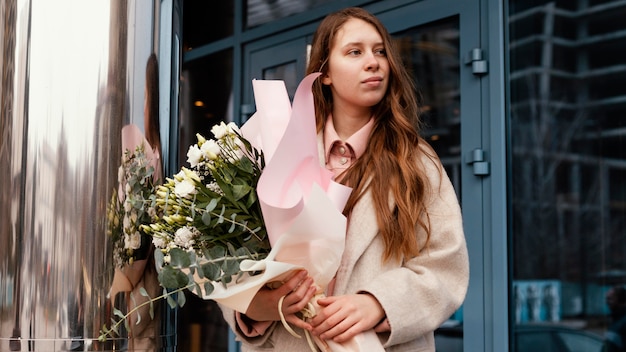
(179, 258)
(118, 313)
(181, 299)
(172, 278)
(211, 271)
(208, 288)
(171, 302)
(206, 218)
(230, 267)
(212, 204)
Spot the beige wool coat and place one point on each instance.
(417, 295)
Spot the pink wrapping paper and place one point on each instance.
(301, 204)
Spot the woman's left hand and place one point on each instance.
(342, 317)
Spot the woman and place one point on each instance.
(405, 267)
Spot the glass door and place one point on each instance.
(440, 44)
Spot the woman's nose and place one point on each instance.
(372, 62)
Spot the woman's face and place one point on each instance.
(358, 70)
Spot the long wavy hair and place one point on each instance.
(152, 101)
(390, 167)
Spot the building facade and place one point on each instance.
(524, 102)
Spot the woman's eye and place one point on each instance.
(354, 52)
(380, 52)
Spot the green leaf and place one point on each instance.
(181, 299)
(206, 218)
(172, 278)
(179, 258)
(230, 267)
(240, 191)
(211, 271)
(212, 204)
(118, 313)
(208, 288)
(143, 292)
(233, 224)
(172, 303)
(246, 165)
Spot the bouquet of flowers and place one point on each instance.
(209, 215)
(230, 224)
(131, 206)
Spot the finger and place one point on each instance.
(299, 299)
(293, 282)
(295, 321)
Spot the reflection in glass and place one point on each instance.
(568, 159)
(286, 72)
(207, 21)
(206, 99)
(263, 11)
(431, 54)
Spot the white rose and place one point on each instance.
(194, 155)
(219, 131)
(184, 189)
(210, 149)
(232, 128)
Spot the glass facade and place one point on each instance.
(567, 111)
(259, 12)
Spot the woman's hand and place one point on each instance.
(298, 291)
(343, 317)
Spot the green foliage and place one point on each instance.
(206, 219)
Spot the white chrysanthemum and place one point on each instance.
(159, 242)
(194, 155)
(184, 189)
(184, 237)
(210, 149)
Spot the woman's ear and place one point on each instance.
(326, 79)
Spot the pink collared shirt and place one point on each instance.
(341, 154)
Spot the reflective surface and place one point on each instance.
(568, 160)
(72, 77)
(431, 52)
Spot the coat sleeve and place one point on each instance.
(426, 290)
(230, 316)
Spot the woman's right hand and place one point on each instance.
(298, 290)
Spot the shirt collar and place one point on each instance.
(357, 141)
